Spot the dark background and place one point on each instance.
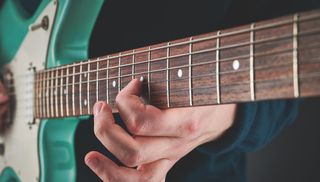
(292, 156)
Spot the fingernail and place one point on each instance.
(92, 163)
(97, 108)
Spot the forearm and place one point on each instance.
(255, 125)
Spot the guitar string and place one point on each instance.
(89, 63)
(241, 45)
(183, 103)
(179, 79)
(224, 85)
(301, 76)
(317, 75)
(271, 25)
(186, 66)
(116, 92)
(288, 79)
(159, 59)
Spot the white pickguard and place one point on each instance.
(20, 139)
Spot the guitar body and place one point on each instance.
(40, 150)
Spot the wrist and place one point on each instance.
(219, 120)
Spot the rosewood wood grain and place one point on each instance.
(272, 59)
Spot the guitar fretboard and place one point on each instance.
(278, 58)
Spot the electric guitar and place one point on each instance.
(50, 89)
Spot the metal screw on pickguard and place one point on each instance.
(44, 24)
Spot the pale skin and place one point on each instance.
(157, 139)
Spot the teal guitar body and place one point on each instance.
(57, 33)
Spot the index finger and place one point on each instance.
(144, 119)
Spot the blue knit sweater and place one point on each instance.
(224, 160)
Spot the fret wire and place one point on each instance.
(289, 36)
(97, 82)
(282, 79)
(259, 81)
(287, 79)
(40, 97)
(43, 95)
(313, 75)
(88, 88)
(252, 90)
(167, 75)
(222, 60)
(80, 89)
(133, 64)
(47, 95)
(290, 78)
(56, 94)
(209, 62)
(37, 96)
(190, 73)
(295, 56)
(108, 62)
(149, 78)
(51, 93)
(61, 94)
(73, 91)
(232, 84)
(198, 52)
(67, 93)
(217, 69)
(262, 27)
(119, 73)
(38, 76)
(229, 72)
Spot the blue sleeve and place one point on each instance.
(255, 125)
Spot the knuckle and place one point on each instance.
(99, 131)
(118, 98)
(192, 127)
(134, 125)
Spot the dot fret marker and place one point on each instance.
(114, 83)
(180, 73)
(236, 64)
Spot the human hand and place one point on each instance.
(159, 137)
(4, 99)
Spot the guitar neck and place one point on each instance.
(272, 59)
